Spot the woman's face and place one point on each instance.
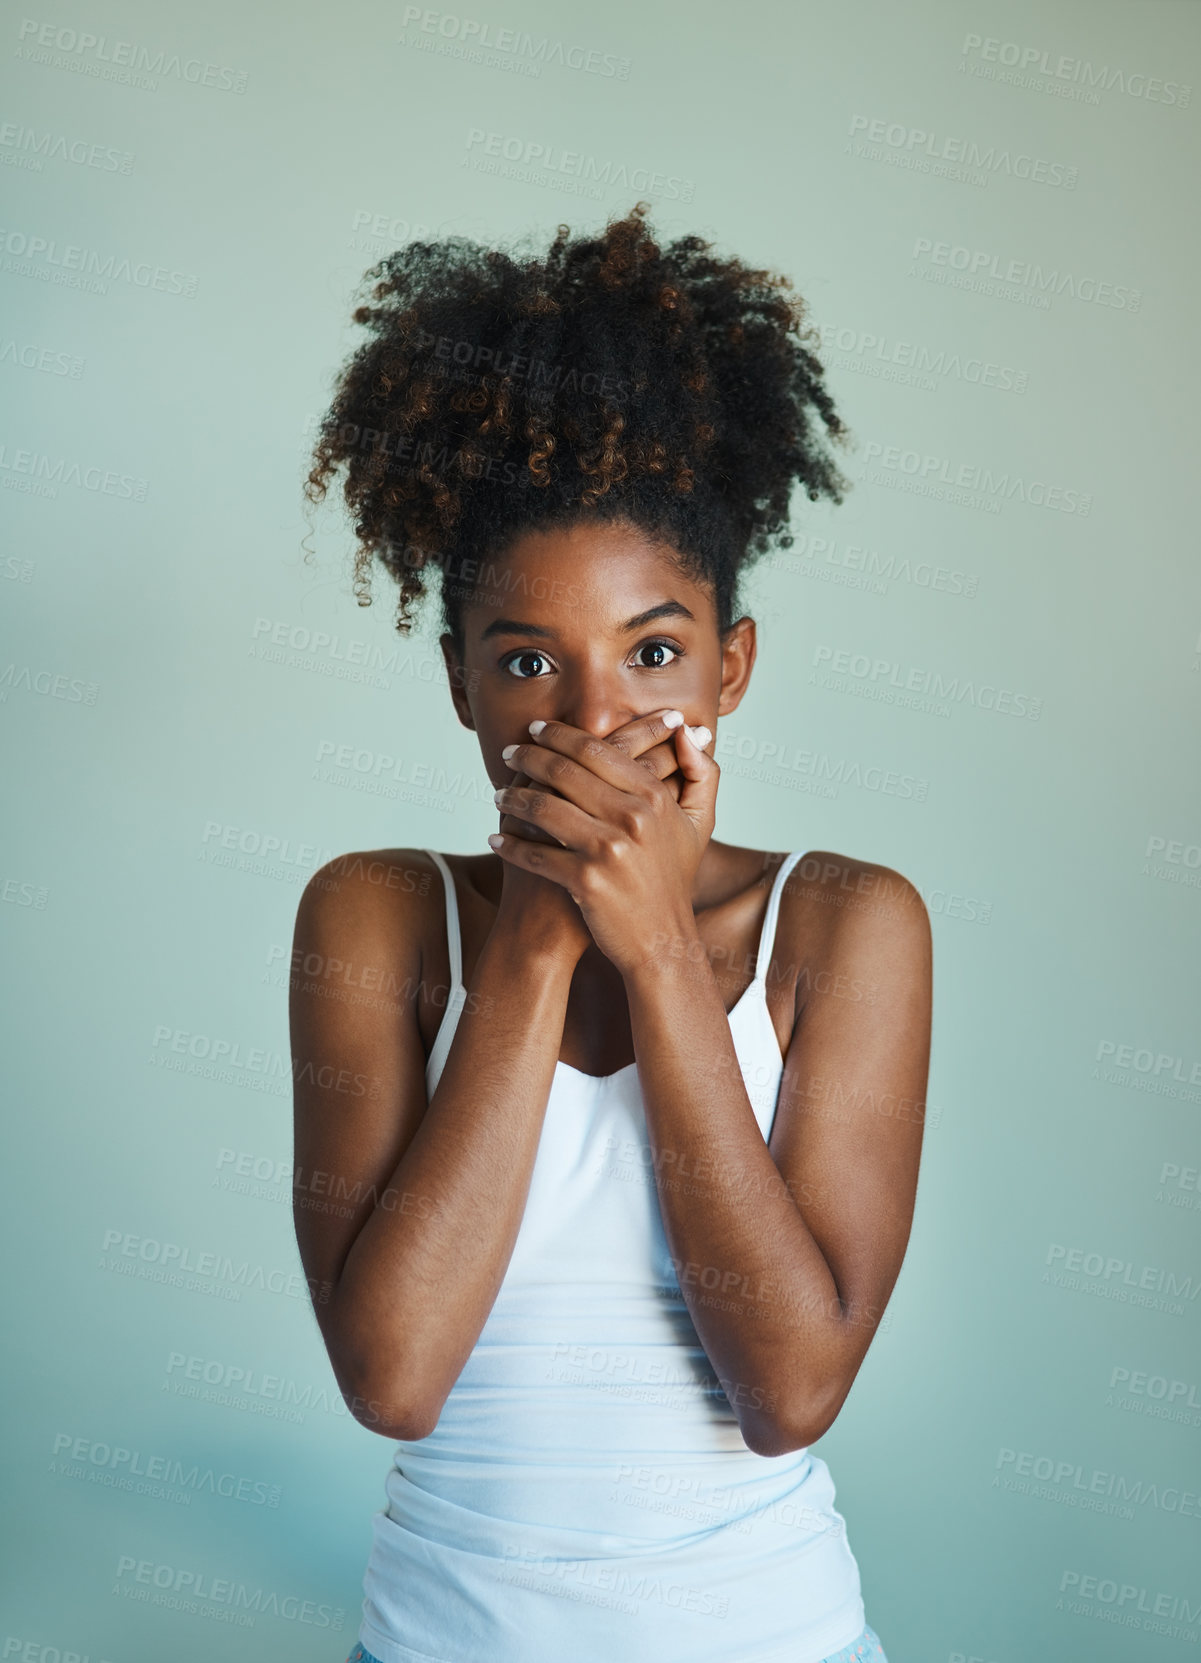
(560, 630)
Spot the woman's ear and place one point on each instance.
(738, 652)
(456, 675)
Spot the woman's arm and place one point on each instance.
(420, 1204)
(414, 1208)
(787, 1252)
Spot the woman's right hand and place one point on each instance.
(536, 901)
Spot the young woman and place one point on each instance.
(630, 1172)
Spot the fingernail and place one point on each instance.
(536, 728)
(700, 736)
(672, 718)
(508, 751)
(495, 840)
(497, 795)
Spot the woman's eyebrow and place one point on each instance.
(514, 626)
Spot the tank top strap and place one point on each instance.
(453, 939)
(767, 935)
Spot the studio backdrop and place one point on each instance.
(982, 670)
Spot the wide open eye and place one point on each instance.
(523, 657)
(659, 647)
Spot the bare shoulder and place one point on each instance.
(370, 906)
(369, 882)
(848, 915)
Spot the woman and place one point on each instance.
(631, 1175)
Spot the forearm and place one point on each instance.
(758, 1288)
(424, 1272)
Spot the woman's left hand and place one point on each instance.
(629, 851)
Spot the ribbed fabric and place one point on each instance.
(587, 1495)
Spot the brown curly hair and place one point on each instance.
(609, 379)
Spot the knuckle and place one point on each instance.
(559, 767)
(593, 749)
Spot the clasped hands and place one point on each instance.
(626, 844)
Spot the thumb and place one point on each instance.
(698, 798)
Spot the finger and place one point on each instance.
(559, 865)
(660, 760)
(574, 781)
(701, 774)
(637, 739)
(641, 737)
(524, 828)
(608, 760)
(564, 821)
(593, 796)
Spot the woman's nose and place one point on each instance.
(595, 710)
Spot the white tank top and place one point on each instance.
(586, 1496)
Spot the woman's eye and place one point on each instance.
(658, 647)
(525, 658)
(526, 665)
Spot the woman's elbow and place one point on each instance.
(788, 1428)
(386, 1404)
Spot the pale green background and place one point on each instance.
(117, 928)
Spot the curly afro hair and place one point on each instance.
(611, 379)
